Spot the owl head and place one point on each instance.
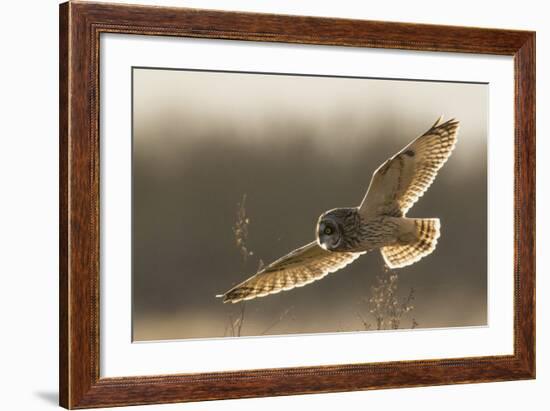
(330, 233)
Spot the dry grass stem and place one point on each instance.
(384, 304)
(240, 229)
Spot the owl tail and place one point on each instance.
(427, 233)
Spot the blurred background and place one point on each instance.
(265, 155)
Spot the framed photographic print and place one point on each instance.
(256, 205)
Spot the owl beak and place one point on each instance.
(320, 235)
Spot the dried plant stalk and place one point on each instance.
(240, 229)
(235, 322)
(384, 304)
(278, 320)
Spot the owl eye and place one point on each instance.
(328, 231)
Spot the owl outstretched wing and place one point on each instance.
(398, 183)
(296, 269)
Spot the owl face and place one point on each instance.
(329, 233)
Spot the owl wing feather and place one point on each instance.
(296, 269)
(398, 183)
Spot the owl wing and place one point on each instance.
(398, 183)
(296, 269)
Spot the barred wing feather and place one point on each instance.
(298, 268)
(398, 183)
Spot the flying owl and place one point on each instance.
(380, 222)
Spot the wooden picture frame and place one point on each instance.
(80, 27)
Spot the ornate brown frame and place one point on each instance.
(81, 24)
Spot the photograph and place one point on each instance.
(272, 204)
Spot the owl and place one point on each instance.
(380, 222)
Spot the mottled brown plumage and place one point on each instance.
(380, 222)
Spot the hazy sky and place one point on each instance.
(296, 146)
